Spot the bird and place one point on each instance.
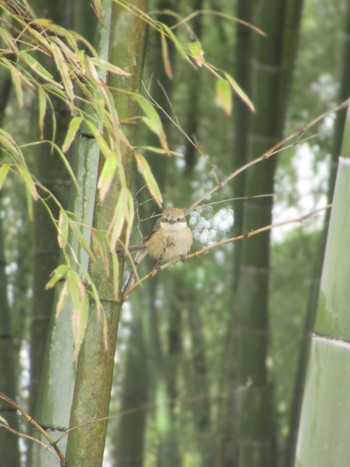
(170, 237)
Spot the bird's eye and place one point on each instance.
(179, 219)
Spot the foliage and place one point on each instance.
(80, 86)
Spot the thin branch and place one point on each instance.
(196, 398)
(275, 149)
(252, 233)
(52, 447)
(226, 200)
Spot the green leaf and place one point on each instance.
(73, 128)
(119, 216)
(151, 182)
(17, 83)
(239, 91)
(64, 71)
(102, 144)
(3, 421)
(81, 240)
(28, 180)
(180, 48)
(57, 275)
(197, 53)
(68, 166)
(224, 96)
(63, 229)
(4, 169)
(152, 118)
(42, 109)
(107, 175)
(36, 66)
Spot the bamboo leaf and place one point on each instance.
(57, 275)
(119, 216)
(97, 6)
(108, 66)
(68, 166)
(36, 66)
(73, 128)
(3, 421)
(151, 182)
(107, 175)
(64, 70)
(29, 201)
(42, 109)
(152, 119)
(17, 83)
(224, 96)
(115, 272)
(165, 55)
(77, 293)
(4, 169)
(81, 239)
(104, 148)
(79, 321)
(180, 48)
(197, 53)
(130, 216)
(28, 180)
(239, 91)
(61, 299)
(63, 229)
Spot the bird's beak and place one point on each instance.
(172, 221)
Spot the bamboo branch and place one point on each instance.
(275, 149)
(51, 447)
(252, 233)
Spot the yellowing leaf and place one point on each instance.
(73, 128)
(3, 173)
(57, 275)
(239, 91)
(104, 148)
(109, 67)
(151, 182)
(119, 215)
(115, 272)
(64, 71)
(129, 216)
(81, 240)
(107, 175)
(223, 97)
(97, 6)
(63, 228)
(166, 58)
(77, 293)
(61, 299)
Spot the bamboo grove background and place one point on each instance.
(110, 111)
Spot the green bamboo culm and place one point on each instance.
(325, 423)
